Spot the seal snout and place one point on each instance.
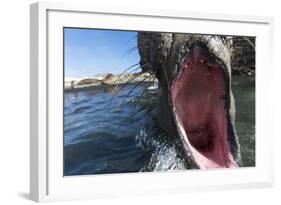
(199, 53)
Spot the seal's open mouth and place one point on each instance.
(199, 95)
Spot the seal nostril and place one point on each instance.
(199, 52)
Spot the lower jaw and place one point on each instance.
(198, 98)
(208, 160)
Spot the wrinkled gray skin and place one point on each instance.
(163, 54)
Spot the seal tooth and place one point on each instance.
(201, 61)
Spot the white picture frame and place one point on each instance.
(47, 182)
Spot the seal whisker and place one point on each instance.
(135, 75)
(138, 84)
(144, 90)
(130, 51)
(127, 69)
(117, 89)
(140, 97)
(250, 42)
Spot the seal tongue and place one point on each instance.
(198, 98)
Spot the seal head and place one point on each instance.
(195, 98)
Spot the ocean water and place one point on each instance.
(243, 88)
(106, 133)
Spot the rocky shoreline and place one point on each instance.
(73, 83)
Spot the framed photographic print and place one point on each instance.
(126, 98)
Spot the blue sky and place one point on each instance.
(90, 51)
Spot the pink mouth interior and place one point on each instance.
(198, 98)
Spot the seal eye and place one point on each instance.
(198, 96)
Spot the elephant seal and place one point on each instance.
(195, 100)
